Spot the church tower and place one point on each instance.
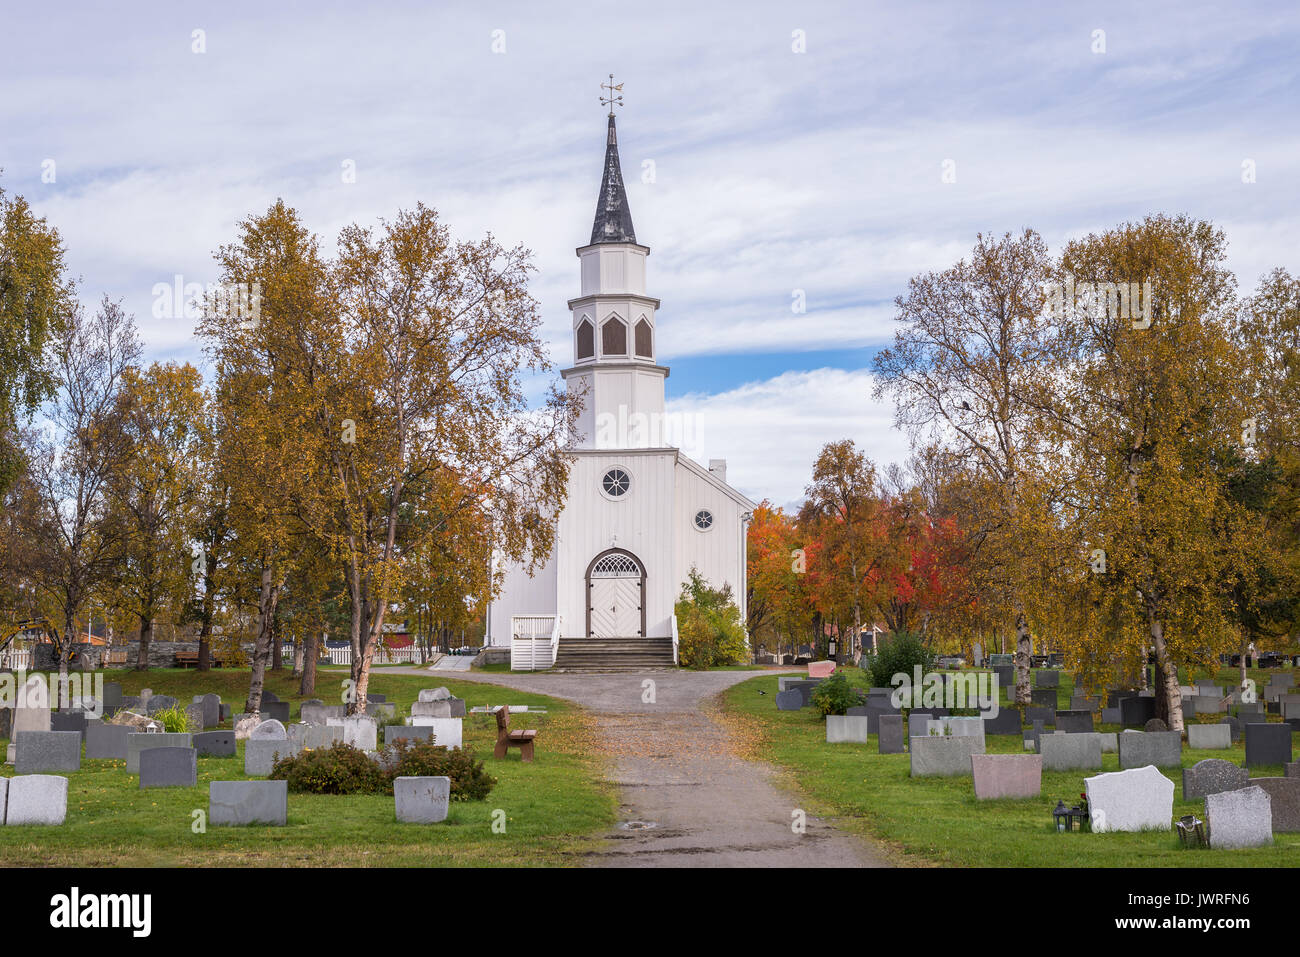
(614, 367)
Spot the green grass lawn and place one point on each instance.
(555, 808)
(938, 821)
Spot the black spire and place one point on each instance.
(613, 219)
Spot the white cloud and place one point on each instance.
(771, 431)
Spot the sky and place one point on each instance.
(773, 153)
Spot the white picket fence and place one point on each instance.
(412, 655)
(13, 660)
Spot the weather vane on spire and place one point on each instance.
(615, 97)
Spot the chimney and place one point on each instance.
(719, 469)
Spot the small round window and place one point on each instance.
(704, 520)
(616, 482)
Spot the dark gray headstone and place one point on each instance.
(371, 696)
(791, 700)
(1235, 727)
(1155, 725)
(1212, 776)
(1045, 698)
(1074, 722)
(1135, 712)
(211, 706)
(1007, 722)
(1045, 715)
(1006, 675)
(1111, 716)
(169, 768)
(160, 702)
(39, 752)
(1047, 679)
(1285, 795)
(891, 735)
(106, 742)
(276, 711)
(1268, 744)
(68, 721)
(1137, 749)
(215, 744)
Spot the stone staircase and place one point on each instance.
(614, 654)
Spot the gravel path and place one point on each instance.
(678, 772)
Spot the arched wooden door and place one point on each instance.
(615, 595)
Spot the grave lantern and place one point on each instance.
(1061, 815)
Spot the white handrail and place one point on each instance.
(675, 639)
(555, 640)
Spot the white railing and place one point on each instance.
(13, 660)
(410, 655)
(533, 641)
(555, 640)
(675, 639)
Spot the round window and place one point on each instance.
(616, 482)
(704, 520)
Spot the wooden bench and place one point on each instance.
(185, 659)
(507, 739)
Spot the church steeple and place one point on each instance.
(613, 223)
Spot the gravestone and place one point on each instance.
(260, 755)
(1267, 744)
(422, 800)
(957, 727)
(1087, 703)
(169, 768)
(68, 721)
(845, 729)
(457, 707)
(1047, 679)
(159, 702)
(1074, 722)
(1135, 712)
(943, 757)
(1035, 734)
(1109, 741)
(215, 744)
(1045, 715)
(788, 701)
(106, 742)
(1202, 704)
(112, 697)
(372, 696)
(38, 752)
(1214, 737)
(244, 725)
(1006, 775)
(918, 725)
(1045, 698)
(1006, 676)
(412, 733)
(143, 741)
(211, 707)
(1155, 724)
(269, 698)
(313, 737)
(433, 709)
(1212, 776)
(381, 709)
(36, 799)
(194, 717)
(446, 731)
(276, 711)
(1234, 728)
(1241, 818)
(1070, 752)
(1163, 749)
(319, 713)
(1284, 795)
(1111, 716)
(890, 736)
(1137, 799)
(271, 729)
(248, 802)
(1006, 721)
(805, 689)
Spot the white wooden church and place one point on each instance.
(639, 512)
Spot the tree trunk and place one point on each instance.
(267, 600)
(298, 651)
(311, 652)
(146, 636)
(1024, 652)
(1169, 698)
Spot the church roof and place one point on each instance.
(613, 218)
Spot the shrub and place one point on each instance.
(340, 769)
(174, 719)
(900, 654)
(420, 759)
(709, 630)
(834, 695)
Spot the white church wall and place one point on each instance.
(718, 554)
(640, 521)
(522, 594)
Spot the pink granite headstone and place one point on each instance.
(820, 669)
